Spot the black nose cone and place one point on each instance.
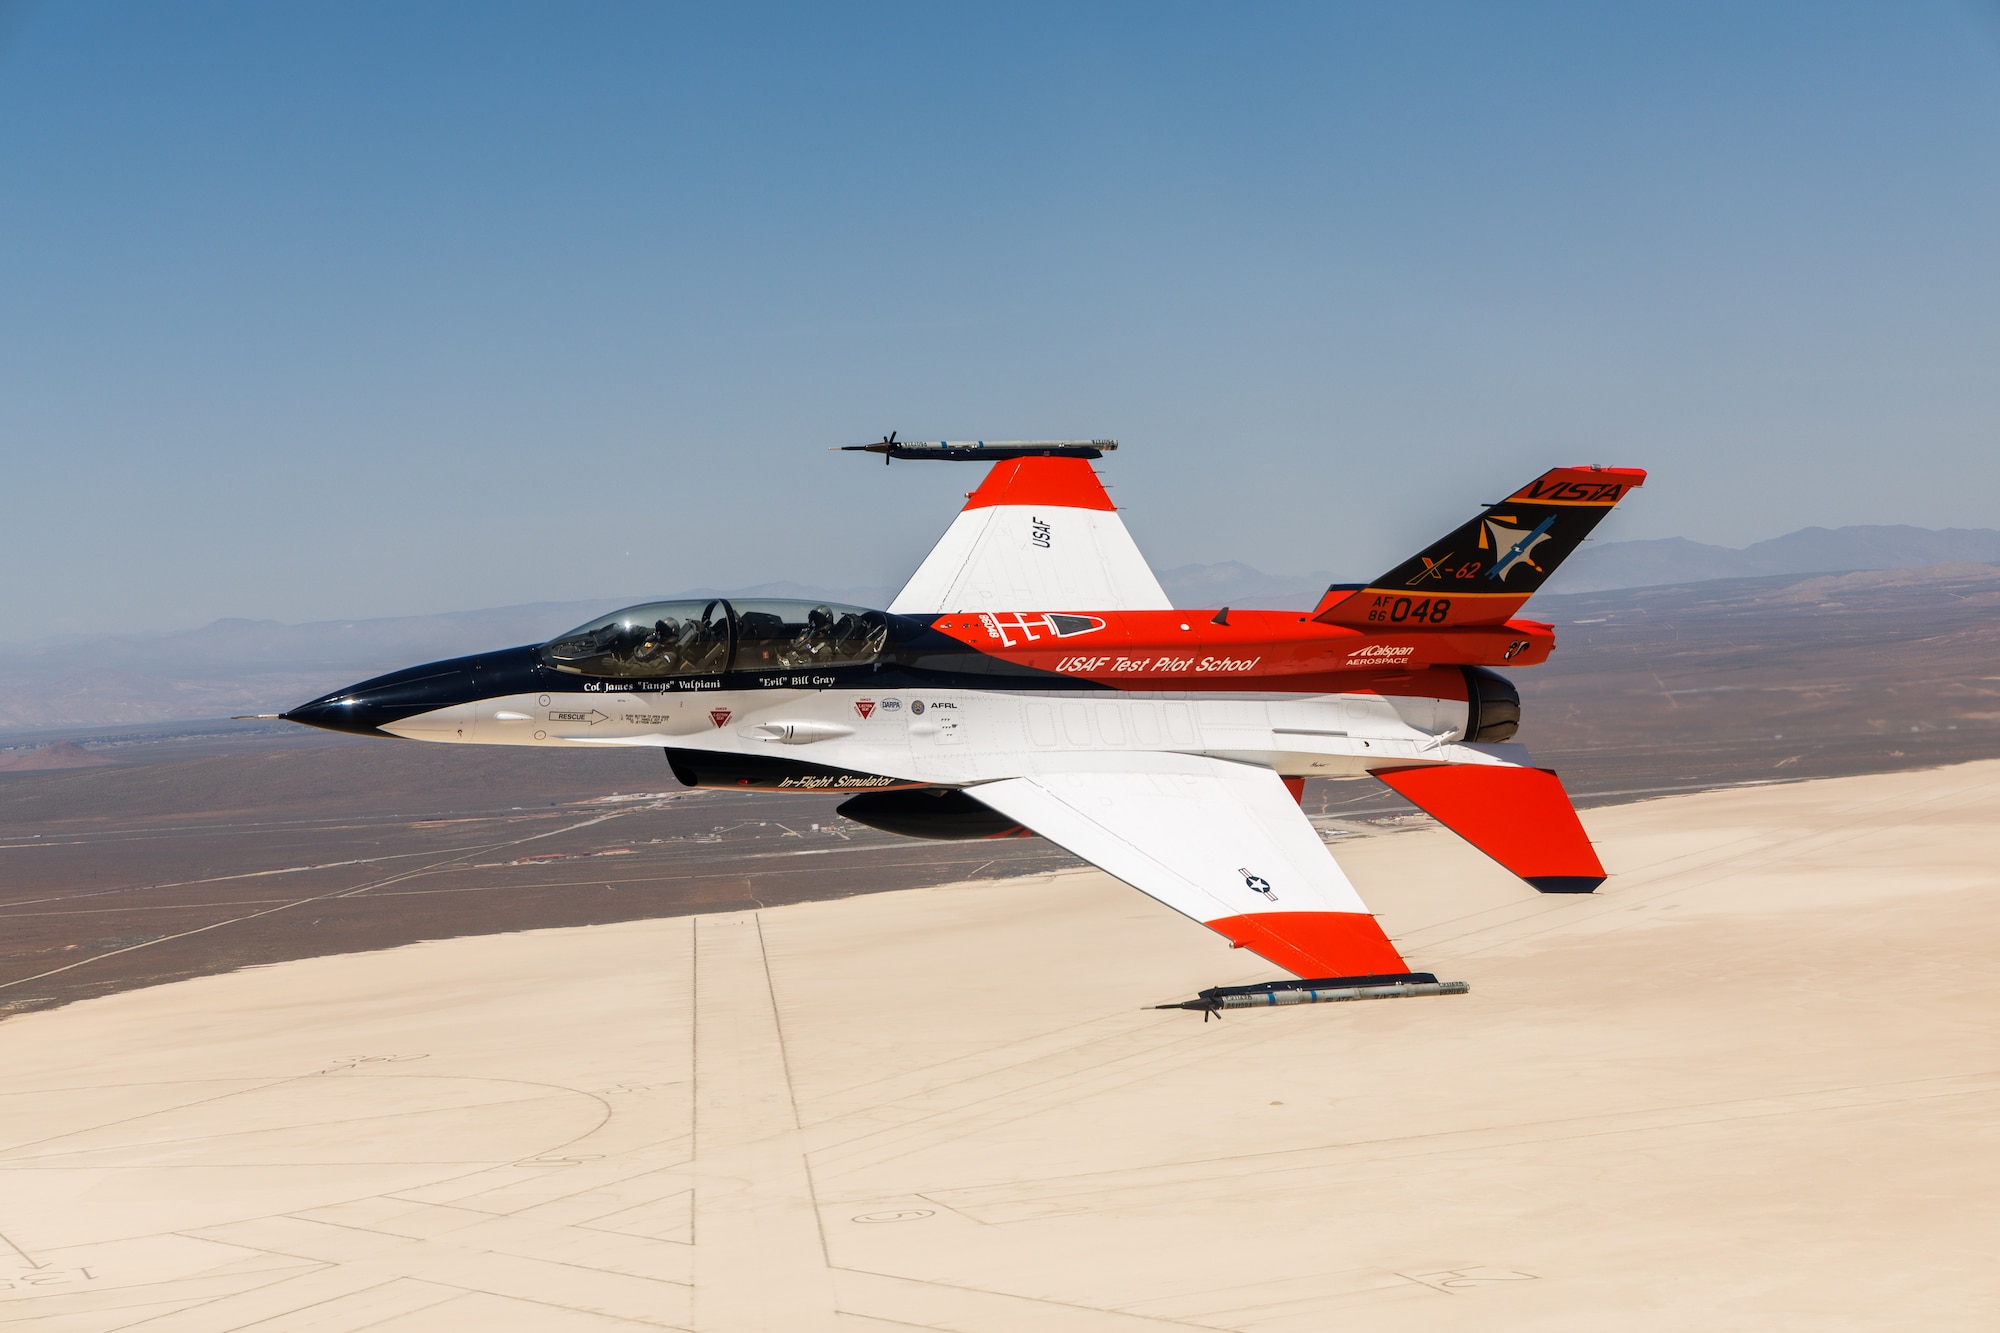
(347, 710)
(366, 708)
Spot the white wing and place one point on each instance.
(1223, 843)
(1039, 534)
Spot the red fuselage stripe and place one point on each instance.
(1245, 651)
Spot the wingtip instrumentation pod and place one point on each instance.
(981, 451)
(1319, 990)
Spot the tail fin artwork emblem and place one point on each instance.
(1481, 571)
(1519, 547)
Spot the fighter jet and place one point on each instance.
(1032, 678)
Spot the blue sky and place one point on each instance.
(330, 310)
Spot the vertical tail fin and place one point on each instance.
(1481, 572)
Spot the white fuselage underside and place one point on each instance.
(954, 737)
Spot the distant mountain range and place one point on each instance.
(257, 666)
(1601, 567)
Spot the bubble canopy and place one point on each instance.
(707, 636)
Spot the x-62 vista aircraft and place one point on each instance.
(1032, 678)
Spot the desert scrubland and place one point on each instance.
(1749, 1084)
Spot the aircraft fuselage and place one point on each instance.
(956, 699)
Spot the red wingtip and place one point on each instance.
(1315, 944)
(1068, 483)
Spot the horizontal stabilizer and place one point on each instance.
(1521, 817)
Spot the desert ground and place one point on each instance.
(1752, 1083)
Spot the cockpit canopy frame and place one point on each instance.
(708, 636)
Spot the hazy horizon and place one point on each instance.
(1185, 584)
